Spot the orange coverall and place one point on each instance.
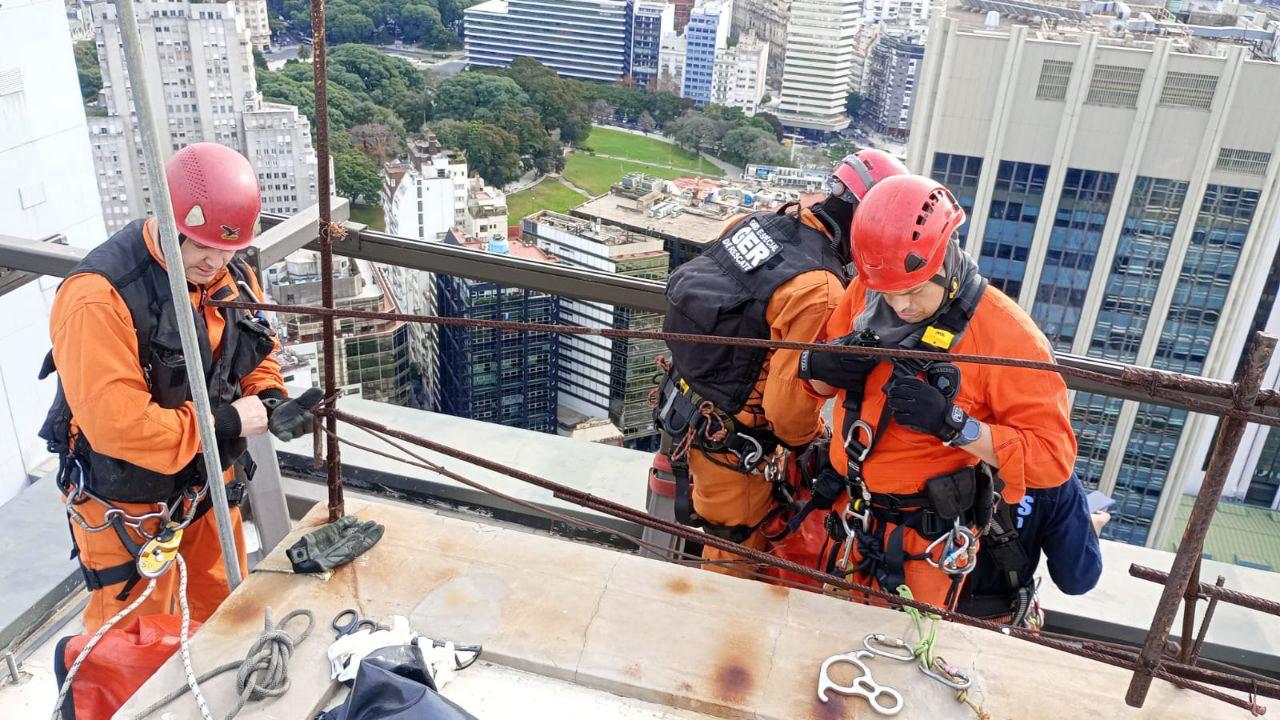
(797, 312)
(95, 349)
(1026, 410)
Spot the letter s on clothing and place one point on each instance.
(1024, 508)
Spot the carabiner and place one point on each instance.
(864, 686)
(748, 461)
(875, 643)
(865, 449)
(946, 674)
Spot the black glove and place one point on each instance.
(917, 405)
(841, 370)
(289, 419)
(334, 545)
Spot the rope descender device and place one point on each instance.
(864, 685)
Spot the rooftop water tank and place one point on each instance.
(993, 19)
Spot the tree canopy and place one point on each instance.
(491, 151)
(418, 22)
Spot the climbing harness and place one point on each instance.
(864, 685)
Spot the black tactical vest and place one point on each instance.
(725, 292)
(126, 262)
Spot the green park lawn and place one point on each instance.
(597, 174)
(636, 147)
(549, 194)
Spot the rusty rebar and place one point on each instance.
(1227, 595)
(320, 81)
(1192, 544)
(1189, 599)
(1159, 385)
(1204, 624)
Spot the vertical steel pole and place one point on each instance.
(154, 156)
(319, 62)
(1225, 447)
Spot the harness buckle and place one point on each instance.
(748, 461)
(856, 450)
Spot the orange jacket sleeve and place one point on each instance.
(1030, 419)
(95, 349)
(267, 375)
(797, 311)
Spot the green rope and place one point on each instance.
(924, 649)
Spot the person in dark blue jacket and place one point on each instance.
(1054, 522)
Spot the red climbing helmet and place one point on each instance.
(856, 173)
(215, 195)
(901, 230)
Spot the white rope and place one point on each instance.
(184, 641)
(84, 654)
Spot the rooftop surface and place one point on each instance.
(1240, 534)
(634, 627)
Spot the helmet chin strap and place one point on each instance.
(831, 211)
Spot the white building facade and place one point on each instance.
(584, 39)
(819, 65)
(740, 75)
(767, 20)
(202, 68)
(423, 199)
(254, 13)
(1127, 195)
(47, 189)
(671, 57)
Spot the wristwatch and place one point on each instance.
(969, 432)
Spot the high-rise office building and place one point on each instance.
(499, 376)
(740, 73)
(47, 193)
(650, 20)
(1124, 190)
(603, 377)
(706, 36)
(767, 20)
(891, 77)
(819, 65)
(584, 39)
(201, 68)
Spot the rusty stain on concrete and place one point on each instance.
(733, 682)
(679, 585)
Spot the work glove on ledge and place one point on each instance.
(334, 545)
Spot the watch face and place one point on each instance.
(971, 430)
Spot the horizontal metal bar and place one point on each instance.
(552, 278)
(47, 256)
(282, 235)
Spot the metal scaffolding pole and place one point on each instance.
(154, 159)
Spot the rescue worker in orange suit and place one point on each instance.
(725, 411)
(122, 422)
(924, 446)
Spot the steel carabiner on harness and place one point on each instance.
(864, 685)
(959, 542)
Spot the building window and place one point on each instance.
(1192, 90)
(1011, 224)
(1115, 86)
(1248, 162)
(960, 174)
(1071, 254)
(1054, 76)
(1217, 240)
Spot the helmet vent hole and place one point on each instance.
(913, 262)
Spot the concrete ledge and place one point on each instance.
(640, 628)
(616, 473)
